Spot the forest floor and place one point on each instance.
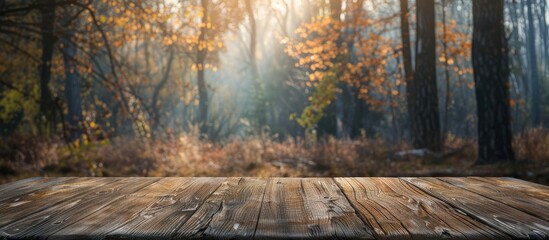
(27, 156)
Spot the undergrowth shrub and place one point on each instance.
(262, 155)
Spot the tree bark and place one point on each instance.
(519, 77)
(73, 81)
(544, 31)
(46, 108)
(533, 67)
(491, 74)
(445, 125)
(407, 62)
(426, 111)
(155, 103)
(350, 93)
(200, 68)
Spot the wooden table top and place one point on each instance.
(274, 208)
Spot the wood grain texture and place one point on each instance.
(508, 196)
(170, 211)
(126, 209)
(8, 187)
(231, 212)
(273, 208)
(398, 210)
(46, 222)
(18, 207)
(26, 187)
(295, 208)
(505, 218)
(532, 190)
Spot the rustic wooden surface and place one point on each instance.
(274, 208)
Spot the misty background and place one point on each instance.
(297, 84)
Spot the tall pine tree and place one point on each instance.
(426, 131)
(491, 73)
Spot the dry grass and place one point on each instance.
(26, 156)
(533, 145)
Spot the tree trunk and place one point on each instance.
(203, 101)
(332, 121)
(445, 127)
(519, 77)
(200, 68)
(426, 112)
(155, 103)
(544, 31)
(491, 74)
(523, 6)
(533, 68)
(260, 106)
(335, 11)
(351, 97)
(407, 62)
(73, 81)
(47, 112)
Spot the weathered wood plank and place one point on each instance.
(503, 194)
(397, 210)
(31, 186)
(314, 208)
(8, 187)
(170, 211)
(506, 219)
(44, 223)
(517, 182)
(22, 206)
(532, 190)
(105, 220)
(231, 212)
(295, 208)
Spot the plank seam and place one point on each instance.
(174, 234)
(366, 223)
(387, 210)
(493, 199)
(261, 206)
(137, 214)
(472, 216)
(435, 216)
(200, 232)
(114, 200)
(53, 205)
(534, 185)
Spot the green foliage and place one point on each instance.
(19, 90)
(84, 153)
(12, 101)
(325, 93)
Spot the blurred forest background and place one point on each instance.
(274, 88)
